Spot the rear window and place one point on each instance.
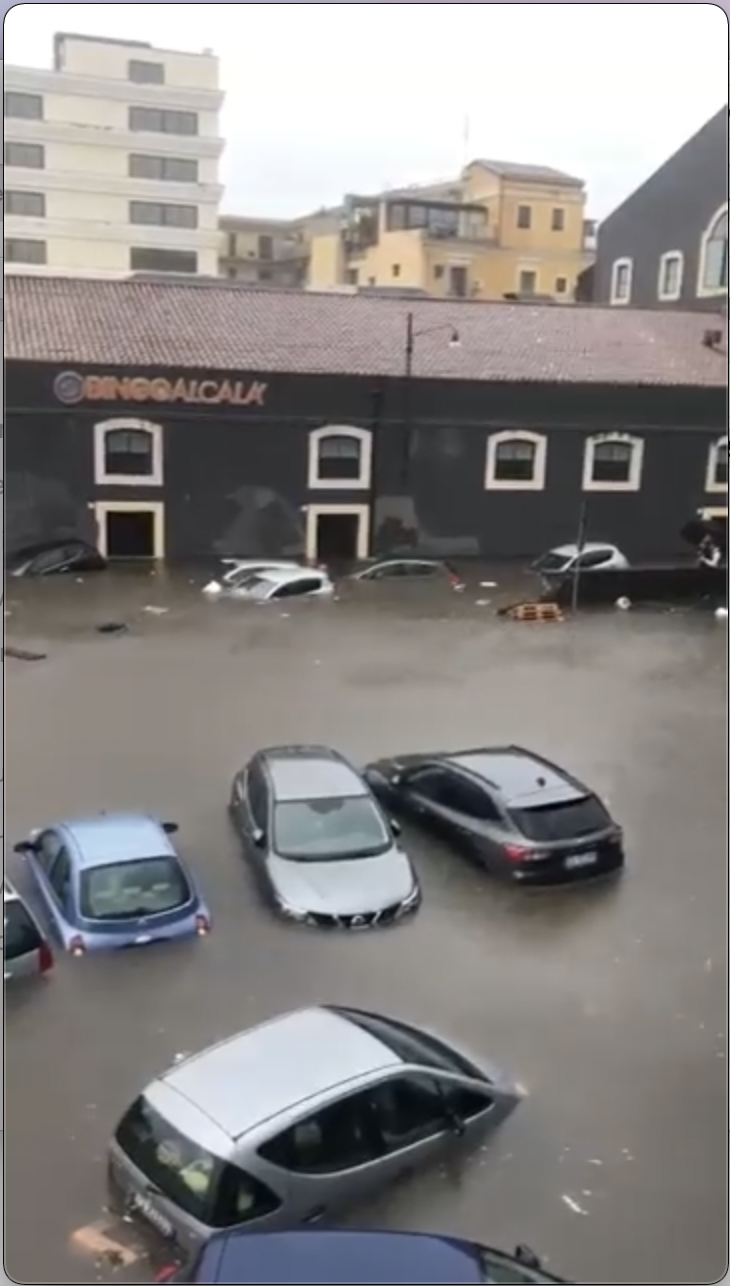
(209, 1189)
(20, 933)
(411, 1045)
(568, 820)
(129, 890)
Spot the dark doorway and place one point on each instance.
(130, 533)
(337, 537)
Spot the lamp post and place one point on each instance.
(411, 336)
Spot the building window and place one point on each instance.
(145, 73)
(671, 270)
(340, 459)
(561, 285)
(557, 222)
(159, 120)
(458, 281)
(527, 282)
(25, 156)
(622, 272)
(128, 453)
(26, 204)
(713, 278)
(516, 461)
(716, 479)
(438, 271)
(352, 276)
(23, 250)
(29, 107)
(165, 169)
(149, 259)
(395, 270)
(613, 462)
(524, 216)
(157, 214)
(265, 246)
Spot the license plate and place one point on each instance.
(142, 939)
(150, 1212)
(580, 860)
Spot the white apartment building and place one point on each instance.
(112, 161)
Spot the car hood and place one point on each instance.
(351, 886)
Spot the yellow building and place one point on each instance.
(502, 229)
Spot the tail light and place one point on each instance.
(45, 958)
(202, 926)
(515, 853)
(166, 1274)
(455, 581)
(77, 946)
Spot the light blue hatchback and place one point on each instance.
(114, 880)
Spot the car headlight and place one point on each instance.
(412, 900)
(293, 913)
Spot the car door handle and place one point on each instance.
(314, 1216)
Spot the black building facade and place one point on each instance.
(181, 464)
(666, 246)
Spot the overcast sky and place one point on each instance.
(323, 99)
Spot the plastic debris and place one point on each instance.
(487, 584)
(483, 602)
(156, 611)
(22, 654)
(623, 603)
(573, 1205)
(112, 627)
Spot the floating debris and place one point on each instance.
(573, 1205)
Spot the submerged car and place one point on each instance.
(514, 812)
(583, 558)
(26, 950)
(411, 569)
(52, 558)
(341, 1256)
(239, 570)
(114, 880)
(319, 842)
(294, 1120)
(275, 584)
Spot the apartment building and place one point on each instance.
(112, 161)
(501, 230)
(263, 251)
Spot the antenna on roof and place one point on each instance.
(465, 140)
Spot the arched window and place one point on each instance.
(716, 479)
(516, 461)
(622, 273)
(340, 458)
(613, 462)
(713, 256)
(128, 453)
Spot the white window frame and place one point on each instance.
(717, 449)
(633, 482)
(703, 291)
(363, 481)
(616, 299)
(102, 508)
(128, 424)
(664, 295)
(315, 512)
(495, 441)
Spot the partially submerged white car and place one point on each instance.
(274, 584)
(238, 570)
(589, 557)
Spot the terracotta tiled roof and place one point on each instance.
(207, 324)
(530, 173)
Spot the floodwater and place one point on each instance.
(607, 1003)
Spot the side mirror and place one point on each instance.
(396, 779)
(525, 1256)
(259, 837)
(456, 1123)
(170, 828)
(395, 826)
(24, 846)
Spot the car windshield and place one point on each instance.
(20, 935)
(567, 820)
(498, 1268)
(554, 562)
(411, 1045)
(321, 829)
(129, 890)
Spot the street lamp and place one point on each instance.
(411, 336)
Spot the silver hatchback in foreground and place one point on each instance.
(292, 1120)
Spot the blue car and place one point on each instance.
(340, 1256)
(114, 880)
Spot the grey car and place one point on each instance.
(294, 1120)
(321, 846)
(26, 951)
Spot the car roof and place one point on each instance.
(281, 574)
(588, 547)
(260, 1073)
(116, 837)
(521, 776)
(311, 772)
(339, 1255)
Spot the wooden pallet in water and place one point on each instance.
(535, 612)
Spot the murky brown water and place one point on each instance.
(609, 1004)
